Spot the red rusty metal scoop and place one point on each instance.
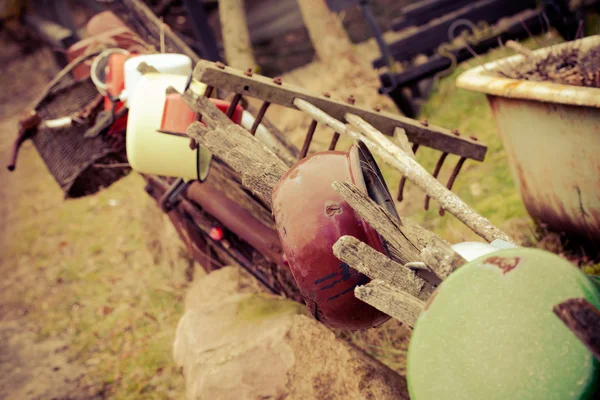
(311, 217)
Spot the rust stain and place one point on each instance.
(333, 209)
(506, 264)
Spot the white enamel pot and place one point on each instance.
(150, 151)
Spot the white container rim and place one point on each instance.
(483, 79)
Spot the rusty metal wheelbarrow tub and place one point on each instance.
(311, 217)
(551, 133)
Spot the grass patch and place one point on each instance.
(85, 272)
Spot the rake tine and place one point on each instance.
(415, 147)
(334, 141)
(309, 136)
(259, 117)
(453, 178)
(233, 105)
(436, 172)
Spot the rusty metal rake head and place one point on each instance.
(275, 91)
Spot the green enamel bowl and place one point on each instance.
(489, 332)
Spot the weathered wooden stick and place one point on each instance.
(259, 168)
(236, 38)
(404, 245)
(375, 265)
(401, 140)
(419, 176)
(441, 258)
(395, 303)
(583, 319)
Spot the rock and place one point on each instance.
(235, 344)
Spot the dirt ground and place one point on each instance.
(29, 368)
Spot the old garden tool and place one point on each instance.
(311, 217)
(27, 128)
(275, 91)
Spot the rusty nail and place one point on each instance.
(453, 178)
(415, 147)
(435, 174)
(259, 117)
(327, 94)
(473, 138)
(351, 99)
(220, 65)
(277, 81)
(248, 72)
(377, 108)
(309, 136)
(455, 132)
(334, 141)
(233, 105)
(424, 122)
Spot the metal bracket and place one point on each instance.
(170, 199)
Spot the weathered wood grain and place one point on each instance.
(583, 319)
(441, 258)
(259, 168)
(395, 303)
(375, 265)
(404, 246)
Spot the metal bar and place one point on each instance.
(308, 139)
(453, 178)
(233, 105)
(415, 147)
(334, 141)
(259, 117)
(436, 172)
(202, 29)
(377, 32)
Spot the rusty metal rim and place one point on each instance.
(482, 79)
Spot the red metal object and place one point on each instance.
(236, 219)
(115, 78)
(216, 233)
(310, 218)
(106, 29)
(178, 116)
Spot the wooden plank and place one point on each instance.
(375, 265)
(403, 246)
(583, 319)
(395, 303)
(441, 258)
(284, 94)
(427, 38)
(259, 168)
